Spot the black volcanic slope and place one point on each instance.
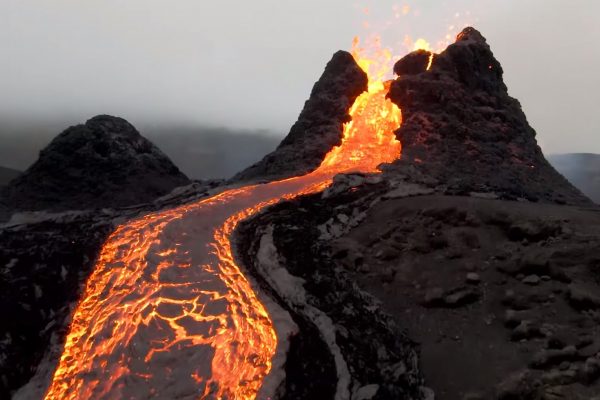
(474, 298)
(429, 284)
(103, 163)
(429, 275)
(461, 130)
(319, 126)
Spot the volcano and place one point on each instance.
(462, 129)
(102, 163)
(407, 239)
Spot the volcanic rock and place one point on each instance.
(462, 296)
(103, 163)
(462, 134)
(473, 277)
(520, 385)
(526, 330)
(583, 297)
(531, 280)
(319, 126)
(461, 128)
(590, 350)
(413, 63)
(499, 318)
(45, 260)
(553, 356)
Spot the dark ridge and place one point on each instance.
(319, 126)
(103, 163)
(462, 131)
(413, 63)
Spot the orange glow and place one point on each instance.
(430, 62)
(167, 306)
(422, 44)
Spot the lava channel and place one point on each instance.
(167, 311)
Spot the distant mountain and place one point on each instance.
(582, 169)
(102, 163)
(201, 152)
(7, 175)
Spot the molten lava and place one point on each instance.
(167, 311)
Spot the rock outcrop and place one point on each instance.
(45, 261)
(103, 163)
(319, 126)
(463, 132)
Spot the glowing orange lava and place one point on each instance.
(167, 311)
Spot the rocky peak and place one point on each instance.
(413, 63)
(470, 34)
(320, 124)
(102, 163)
(462, 131)
(472, 62)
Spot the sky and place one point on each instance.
(251, 64)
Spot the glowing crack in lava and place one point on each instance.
(167, 312)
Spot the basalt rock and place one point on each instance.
(463, 132)
(45, 260)
(413, 63)
(44, 266)
(319, 126)
(102, 163)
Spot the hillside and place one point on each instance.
(102, 163)
(200, 152)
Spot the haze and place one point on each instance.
(250, 66)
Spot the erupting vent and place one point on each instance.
(368, 139)
(168, 312)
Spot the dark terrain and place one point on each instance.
(102, 163)
(489, 289)
(462, 132)
(468, 269)
(109, 172)
(465, 242)
(210, 153)
(319, 126)
(501, 298)
(200, 152)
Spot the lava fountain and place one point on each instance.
(167, 311)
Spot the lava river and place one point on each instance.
(168, 313)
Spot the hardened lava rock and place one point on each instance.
(461, 131)
(413, 63)
(102, 163)
(319, 126)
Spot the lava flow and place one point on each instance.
(167, 311)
